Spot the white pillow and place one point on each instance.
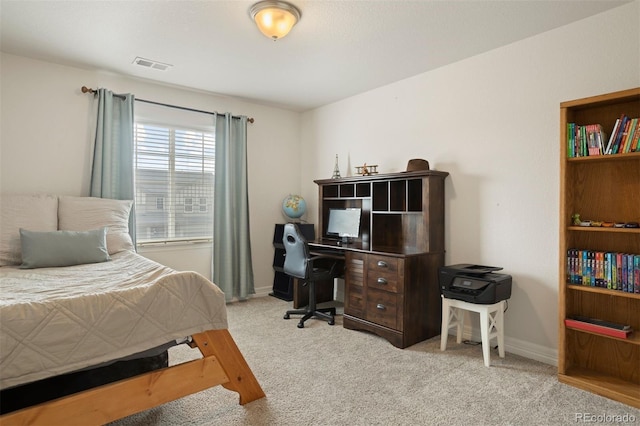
(38, 212)
(87, 213)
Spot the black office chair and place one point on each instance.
(300, 264)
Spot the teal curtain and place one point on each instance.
(232, 266)
(112, 172)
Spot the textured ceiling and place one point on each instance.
(338, 49)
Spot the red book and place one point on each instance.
(599, 329)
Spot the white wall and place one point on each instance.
(46, 136)
(492, 122)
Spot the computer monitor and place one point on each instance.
(344, 223)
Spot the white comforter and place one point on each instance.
(57, 320)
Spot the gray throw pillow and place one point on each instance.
(63, 248)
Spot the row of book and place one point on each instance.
(625, 136)
(590, 139)
(614, 271)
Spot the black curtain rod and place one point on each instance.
(250, 120)
(86, 89)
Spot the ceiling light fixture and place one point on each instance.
(274, 18)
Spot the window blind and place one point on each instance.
(175, 171)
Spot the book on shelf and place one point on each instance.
(616, 142)
(635, 143)
(614, 132)
(590, 139)
(613, 271)
(606, 328)
(636, 274)
(625, 135)
(587, 140)
(628, 137)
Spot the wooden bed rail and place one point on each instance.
(222, 364)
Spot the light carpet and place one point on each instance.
(328, 375)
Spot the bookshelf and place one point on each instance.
(602, 188)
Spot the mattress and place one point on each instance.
(57, 320)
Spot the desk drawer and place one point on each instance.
(382, 308)
(383, 274)
(383, 263)
(383, 281)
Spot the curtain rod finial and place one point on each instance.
(86, 89)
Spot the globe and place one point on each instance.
(294, 206)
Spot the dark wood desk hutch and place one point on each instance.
(391, 279)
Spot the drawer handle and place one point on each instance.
(382, 264)
(381, 307)
(382, 281)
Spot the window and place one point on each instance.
(174, 182)
(196, 205)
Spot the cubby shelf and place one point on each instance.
(629, 156)
(603, 291)
(600, 229)
(392, 204)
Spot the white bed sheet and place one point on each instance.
(57, 320)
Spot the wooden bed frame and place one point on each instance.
(222, 364)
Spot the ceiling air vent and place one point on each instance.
(149, 63)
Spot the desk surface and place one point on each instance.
(327, 245)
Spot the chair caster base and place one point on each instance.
(326, 314)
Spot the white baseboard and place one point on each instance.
(263, 291)
(517, 346)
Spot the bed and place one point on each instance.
(57, 318)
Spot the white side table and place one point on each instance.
(491, 323)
